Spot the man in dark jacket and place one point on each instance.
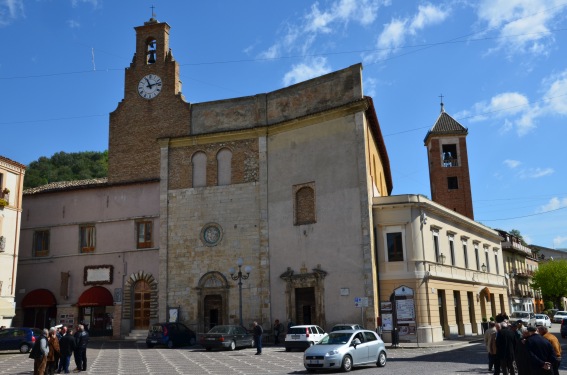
(505, 348)
(66, 347)
(258, 337)
(82, 340)
(542, 356)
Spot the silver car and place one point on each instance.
(344, 350)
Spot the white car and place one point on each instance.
(302, 337)
(527, 317)
(542, 320)
(558, 317)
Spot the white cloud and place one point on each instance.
(559, 241)
(512, 163)
(556, 94)
(554, 204)
(427, 15)
(76, 3)
(307, 70)
(73, 24)
(10, 10)
(536, 172)
(370, 86)
(522, 25)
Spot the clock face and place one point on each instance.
(149, 86)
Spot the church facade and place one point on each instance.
(278, 186)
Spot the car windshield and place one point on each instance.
(340, 328)
(520, 315)
(220, 329)
(561, 313)
(297, 330)
(540, 316)
(335, 338)
(156, 328)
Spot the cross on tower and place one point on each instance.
(153, 14)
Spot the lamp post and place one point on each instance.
(442, 258)
(240, 276)
(483, 267)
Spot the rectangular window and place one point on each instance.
(466, 254)
(487, 259)
(144, 235)
(452, 249)
(476, 255)
(436, 246)
(87, 238)
(496, 263)
(40, 243)
(452, 183)
(395, 247)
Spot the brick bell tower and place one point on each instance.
(449, 177)
(153, 107)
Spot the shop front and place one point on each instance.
(96, 311)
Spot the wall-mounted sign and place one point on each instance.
(96, 275)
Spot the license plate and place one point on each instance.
(295, 336)
(314, 361)
(153, 341)
(211, 338)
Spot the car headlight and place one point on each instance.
(332, 352)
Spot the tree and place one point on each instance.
(551, 279)
(64, 166)
(516, 233)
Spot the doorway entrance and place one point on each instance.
(305, 305)
(142, 299)
(213, 308)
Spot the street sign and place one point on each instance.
(361, 302)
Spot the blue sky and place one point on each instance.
(500, 65)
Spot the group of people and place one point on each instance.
(53, 349)
(514, 348)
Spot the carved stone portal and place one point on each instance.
(305, 302)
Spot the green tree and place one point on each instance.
(64, 166)
(551, 279)
(515, 232)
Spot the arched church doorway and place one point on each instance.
(213, 300)
(213, 308)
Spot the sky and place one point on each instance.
(499, 65)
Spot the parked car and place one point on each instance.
(542, 320)
(343, 326)
(346, 349)
(559, 315)
(21, 338)
(564, 327)
(302, 337)
(227, 337)
(527, 317)
(170, 335)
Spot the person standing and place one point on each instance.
(542, 356)
(82, 340)
(39, 353)
(53, 355)
(490, 343)
(66, 347)
(258, 337)
(505, 348)
(544, 332)
(278, 328)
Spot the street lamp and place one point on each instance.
(240, 276)
(483, 267)
(442, 258)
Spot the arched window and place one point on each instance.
(151, 49)
(305, 205)
(224, 167)
(199, 163)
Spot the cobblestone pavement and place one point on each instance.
(131, 358)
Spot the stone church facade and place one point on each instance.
(283, 181)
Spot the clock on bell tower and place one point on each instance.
(153, 107)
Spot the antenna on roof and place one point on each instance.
(442, 106)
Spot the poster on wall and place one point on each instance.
(386, 306)
(387, 322)
(405, 311)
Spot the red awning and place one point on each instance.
(39, 298)
(96, 296)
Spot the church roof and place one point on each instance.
(80, 184)
(446, 125)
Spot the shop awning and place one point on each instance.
(39, 298)
(96, 296)
(7, 308)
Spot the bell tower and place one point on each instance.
(448, 161)
(153, 107)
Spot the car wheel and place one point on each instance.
(288, 349)
(311, 343)
(170, 344)
(232, 346)
(149, 345)
(381, 360)
(192, 341)
(208, 349)
(24, 348)
(346, 366)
